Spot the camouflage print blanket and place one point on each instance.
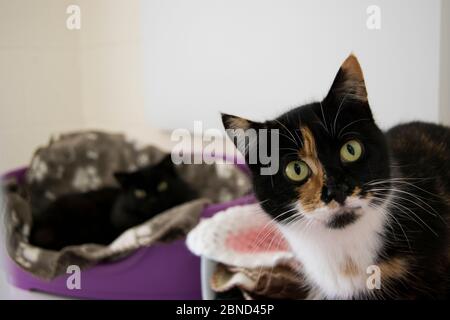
(84, 161)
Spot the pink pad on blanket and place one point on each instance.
(256, 239)
(242, 236)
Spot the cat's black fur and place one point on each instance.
(102, 215)
(413, 159)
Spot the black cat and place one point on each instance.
(367, 213)
(100, 216)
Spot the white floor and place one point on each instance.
(8, 292)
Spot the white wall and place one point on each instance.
(55, 80)
(445, 63)
(111, 70)
(39, 77)
(257, 58)
(250, 57)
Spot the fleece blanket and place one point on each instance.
(252, 254)
(83, 161)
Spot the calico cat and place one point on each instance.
(102, 215)
(355, 204)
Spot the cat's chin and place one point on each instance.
(340, 220)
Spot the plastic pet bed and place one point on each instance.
(160, 271)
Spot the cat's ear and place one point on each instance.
(241, 131)
(123, 178)
(167, 164)
(349, 82)
(235, 122)
(167, 160)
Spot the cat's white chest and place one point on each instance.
(336, 262)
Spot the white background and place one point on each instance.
(257, 58)
(138, 66)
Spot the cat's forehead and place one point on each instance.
(304, 116)
(146, 178)
(318, 122)
(301, 126)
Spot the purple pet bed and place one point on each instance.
(163, 271)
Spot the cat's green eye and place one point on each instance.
(162, 186)
(351, 151)
(297, 171)
(140, 194)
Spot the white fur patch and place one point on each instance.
(326, 252)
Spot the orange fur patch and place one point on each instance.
(395, 268)
(350, 269)
(356, 191)
(310, 192)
